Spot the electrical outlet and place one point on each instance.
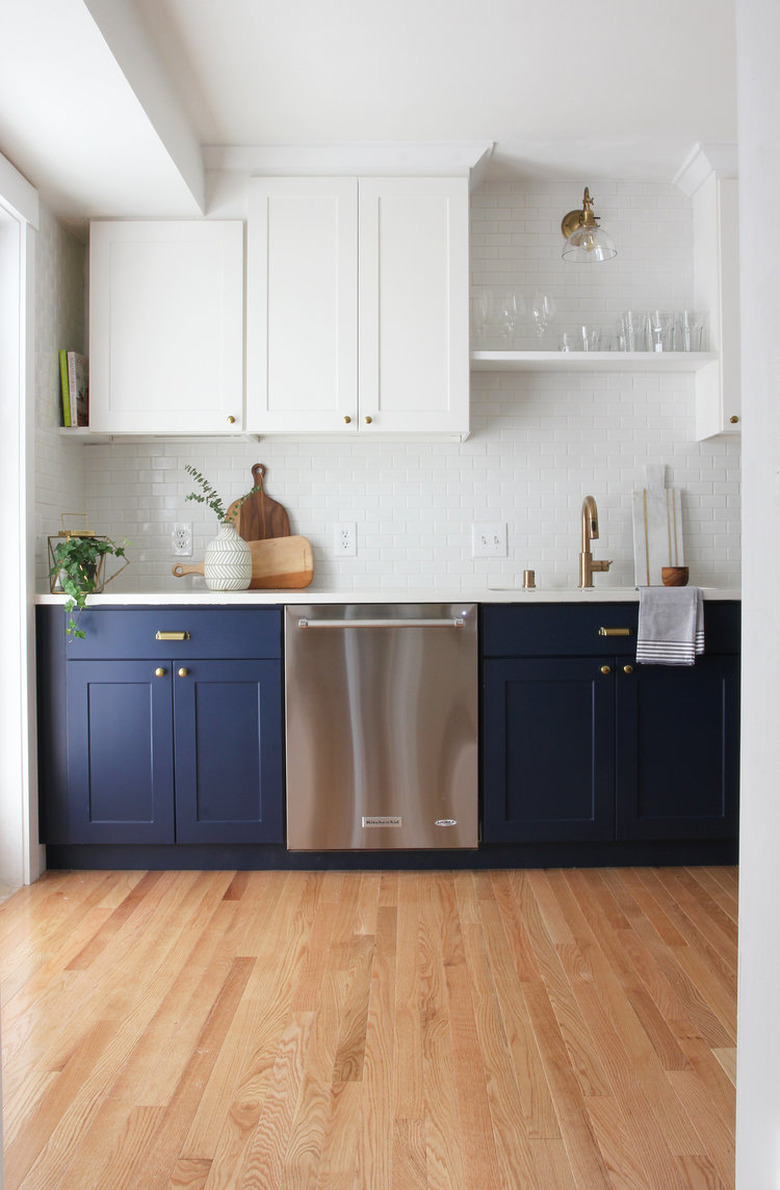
(488, 541)
(345, 540)
(181, 536)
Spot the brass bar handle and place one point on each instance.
(171, 636)
(614, 631)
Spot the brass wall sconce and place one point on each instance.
(585, 240)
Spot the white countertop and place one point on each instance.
(597, 594)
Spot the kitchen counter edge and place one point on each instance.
(426, 595)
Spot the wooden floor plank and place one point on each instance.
(550, 1029)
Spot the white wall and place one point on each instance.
(758, 1084)
(539, 443)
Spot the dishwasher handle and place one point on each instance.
(422, 623)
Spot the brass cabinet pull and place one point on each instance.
(733, 419)
(368, 420)
(159, 672)
(606, 669)
(347, 419)
(628, 669)
(231, 420)
(171, 636)
(183, 672)
(614, 631)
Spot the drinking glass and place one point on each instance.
(690, 331)
(636, 329)
(590, 338)
(662, 330)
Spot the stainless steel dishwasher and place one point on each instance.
(381, 726)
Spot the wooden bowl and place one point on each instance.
(674, 576)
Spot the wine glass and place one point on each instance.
(542, 311)
(482, 304)
(510, 312)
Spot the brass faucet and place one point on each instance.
(590, 530)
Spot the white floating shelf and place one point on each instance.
(590, 361)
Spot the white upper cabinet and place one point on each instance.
(357, 314)
(166, 326)
(709, 178)
(716, 281)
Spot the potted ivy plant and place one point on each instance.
(77, 569)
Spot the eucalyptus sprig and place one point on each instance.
(77, 569)
(212, 499)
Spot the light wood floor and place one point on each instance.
(532, 1030)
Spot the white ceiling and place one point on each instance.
(106, 105)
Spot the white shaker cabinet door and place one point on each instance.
(166, 326)
(413, 307)
(716, 288)
(302, 305)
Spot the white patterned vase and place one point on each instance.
(228, 562)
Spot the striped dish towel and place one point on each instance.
(671, 625)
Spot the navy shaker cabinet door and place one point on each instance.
(120, 752)
(549, 746)
(227, 727)
(678, 750)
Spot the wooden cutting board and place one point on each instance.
(260, 517)
(280, 563)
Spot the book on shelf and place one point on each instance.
(65, 387)
(78, 389)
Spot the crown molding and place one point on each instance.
(438, 159)
(718, 157)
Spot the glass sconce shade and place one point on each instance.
(589, 243)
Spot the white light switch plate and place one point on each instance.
(488, 540)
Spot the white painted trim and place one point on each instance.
(718, 157)
(16, 193)
(441, 159)
(21, 857)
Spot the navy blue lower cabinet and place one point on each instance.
(677, 762)
(548, 750)
(582, 745)
(120, 752)
(227, 728)
(162, 728)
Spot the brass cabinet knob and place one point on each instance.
(183, 672)
(231, 420)
(159, 672)
(368, 420)
(347, 419)
(733, 419)
(606, 669)
(628, 669)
